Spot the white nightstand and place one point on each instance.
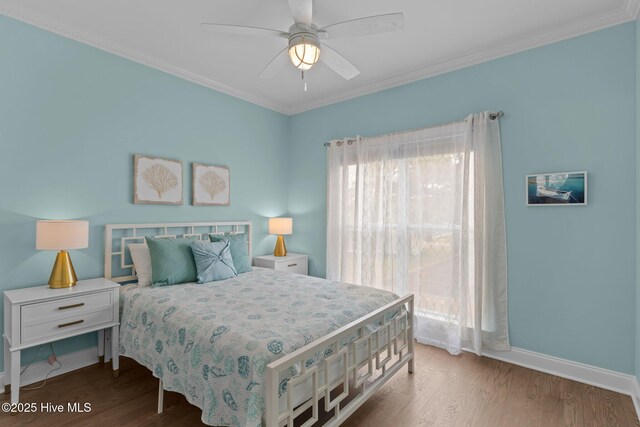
(293, 263)
(40, 315)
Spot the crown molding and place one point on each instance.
(489, 53)
(32, 18)
(628, 12)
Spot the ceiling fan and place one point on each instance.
(304, 48)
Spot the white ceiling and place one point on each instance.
(439, 36)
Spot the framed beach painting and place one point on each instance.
(157, 181)
(557, 189)
(211, 185)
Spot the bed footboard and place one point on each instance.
(357, 361)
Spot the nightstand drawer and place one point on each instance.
(63, 308)
(291, 263)
(50, 328)
(298, 266)
(40, 315)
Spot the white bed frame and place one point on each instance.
(359, 362)
(135, 233)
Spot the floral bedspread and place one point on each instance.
(212, 342)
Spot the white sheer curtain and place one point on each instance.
(422, 212)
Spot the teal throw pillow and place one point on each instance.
(171, 261)
(213, 260)
(239, 250)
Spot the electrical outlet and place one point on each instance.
(52, 359)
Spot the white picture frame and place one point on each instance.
(556, 189)
(157, 181)
(210, 185)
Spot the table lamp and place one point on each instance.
(280, 226)
(60, 235)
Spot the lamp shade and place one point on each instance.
(57, 235)
(280, 226)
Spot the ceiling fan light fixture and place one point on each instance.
(304, 51)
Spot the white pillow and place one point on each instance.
(141, 262)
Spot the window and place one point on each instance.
(403, 210)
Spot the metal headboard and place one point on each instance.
(119, 236)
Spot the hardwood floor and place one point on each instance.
(444, 391)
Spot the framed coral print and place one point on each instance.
(157, 181)
(211, 185)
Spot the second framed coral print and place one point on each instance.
(157, 181)
(211, 185)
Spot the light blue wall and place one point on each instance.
(569, 106)
(72, 116)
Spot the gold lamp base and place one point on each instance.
(63, 275)
(281, 248)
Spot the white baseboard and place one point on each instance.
(70, 362)
(635, 396)
(592, 375)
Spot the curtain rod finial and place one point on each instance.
(496, 115)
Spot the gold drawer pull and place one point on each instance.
(64, 325)
(71, 306)
(292, 265)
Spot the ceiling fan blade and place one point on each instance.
(239, 30)
(338, 63)
(365, 26)
(302, 11)
(276, 64)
